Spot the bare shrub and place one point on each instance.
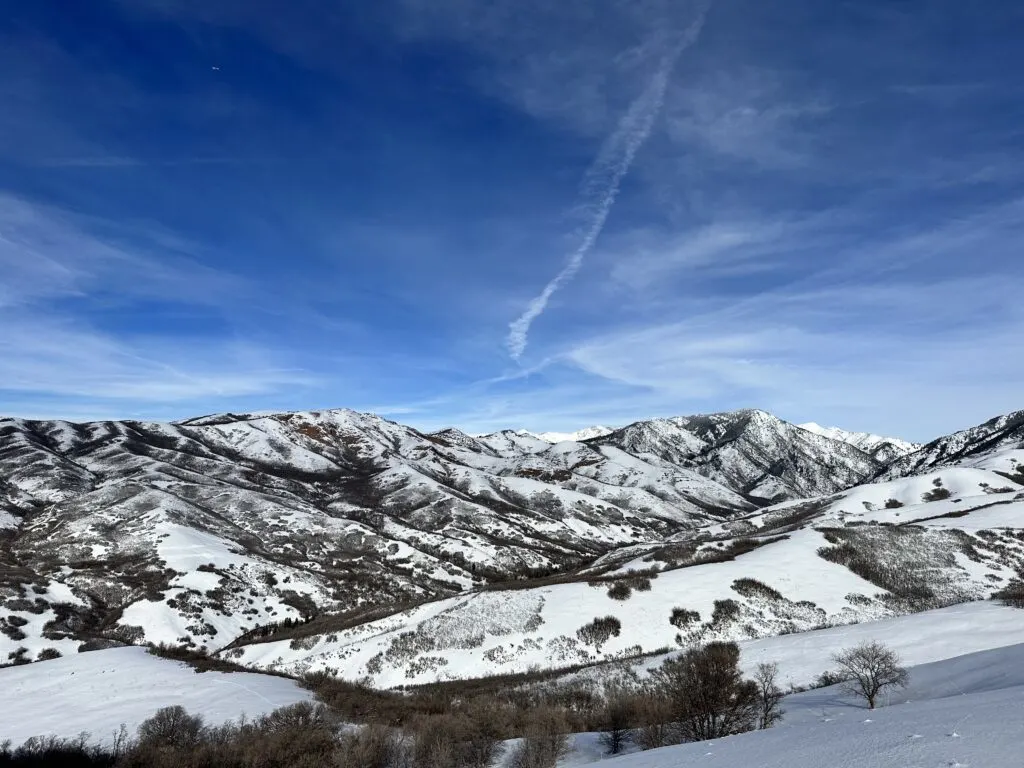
(620, 590)
(710, 698)
(755, 588)
(725, 610)
(1012, 594)
(893, 503)
(681, 617)
(544, 742)
(171, 727)
(599, 631)
(43, 751)
(938, 493)
(654, 714)
(374, 746)
(617, 717)
(869, 669)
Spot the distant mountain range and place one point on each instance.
(212, 530)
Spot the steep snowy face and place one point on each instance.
(751, 451)
(884, 449)
(997, 444)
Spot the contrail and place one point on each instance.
(601, 183)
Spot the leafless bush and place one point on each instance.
(710, 698)
(682, 617)
(1012, 594)
(654, 713)
(171, 727)
(754, 588)
(544, 743)
(620, 590)
(374, 746)
(938, 493)
(617, 720)
(769, 695)
(599, 631)
(869, 669)
(725, 610)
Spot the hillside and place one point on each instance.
(795, 567)
(388, 547)
(961, 706)
(959, 712)
(100, 691)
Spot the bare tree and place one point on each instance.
(545, 741)
(870, 668)
(710, 698)
(172, 727)
(617, 717)
(769, 695)
(654, 713)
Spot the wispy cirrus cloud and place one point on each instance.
(61, 281)
(48, 252)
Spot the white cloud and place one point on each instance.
(52, 349)
(45, 356)
(914, 358)
(47, 253)
(746, 115)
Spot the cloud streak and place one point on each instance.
(602, 181)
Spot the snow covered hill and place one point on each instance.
(962, 712)
(389, 545)
(961, 707)
(874, 551)
(998, 444)
(98, 692)
(751, 451)
(885, 449)
(587, 433)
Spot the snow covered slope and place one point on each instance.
(751, 451)
(963, 712)
(997, 444)
(99, 691)
(885, 449)
(587, 433)
(205, 529)
(214, 530)
(874, 551)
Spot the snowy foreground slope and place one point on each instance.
(963, 712)
(99, 691)
(961, 709)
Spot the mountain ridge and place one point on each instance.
(203, 530)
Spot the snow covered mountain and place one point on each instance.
(587, 433)
(885, 449)
(757, 454)
(998, 444)
(215, 530)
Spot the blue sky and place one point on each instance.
(516, 213)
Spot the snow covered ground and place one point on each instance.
(98, 691)
(962, 713)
